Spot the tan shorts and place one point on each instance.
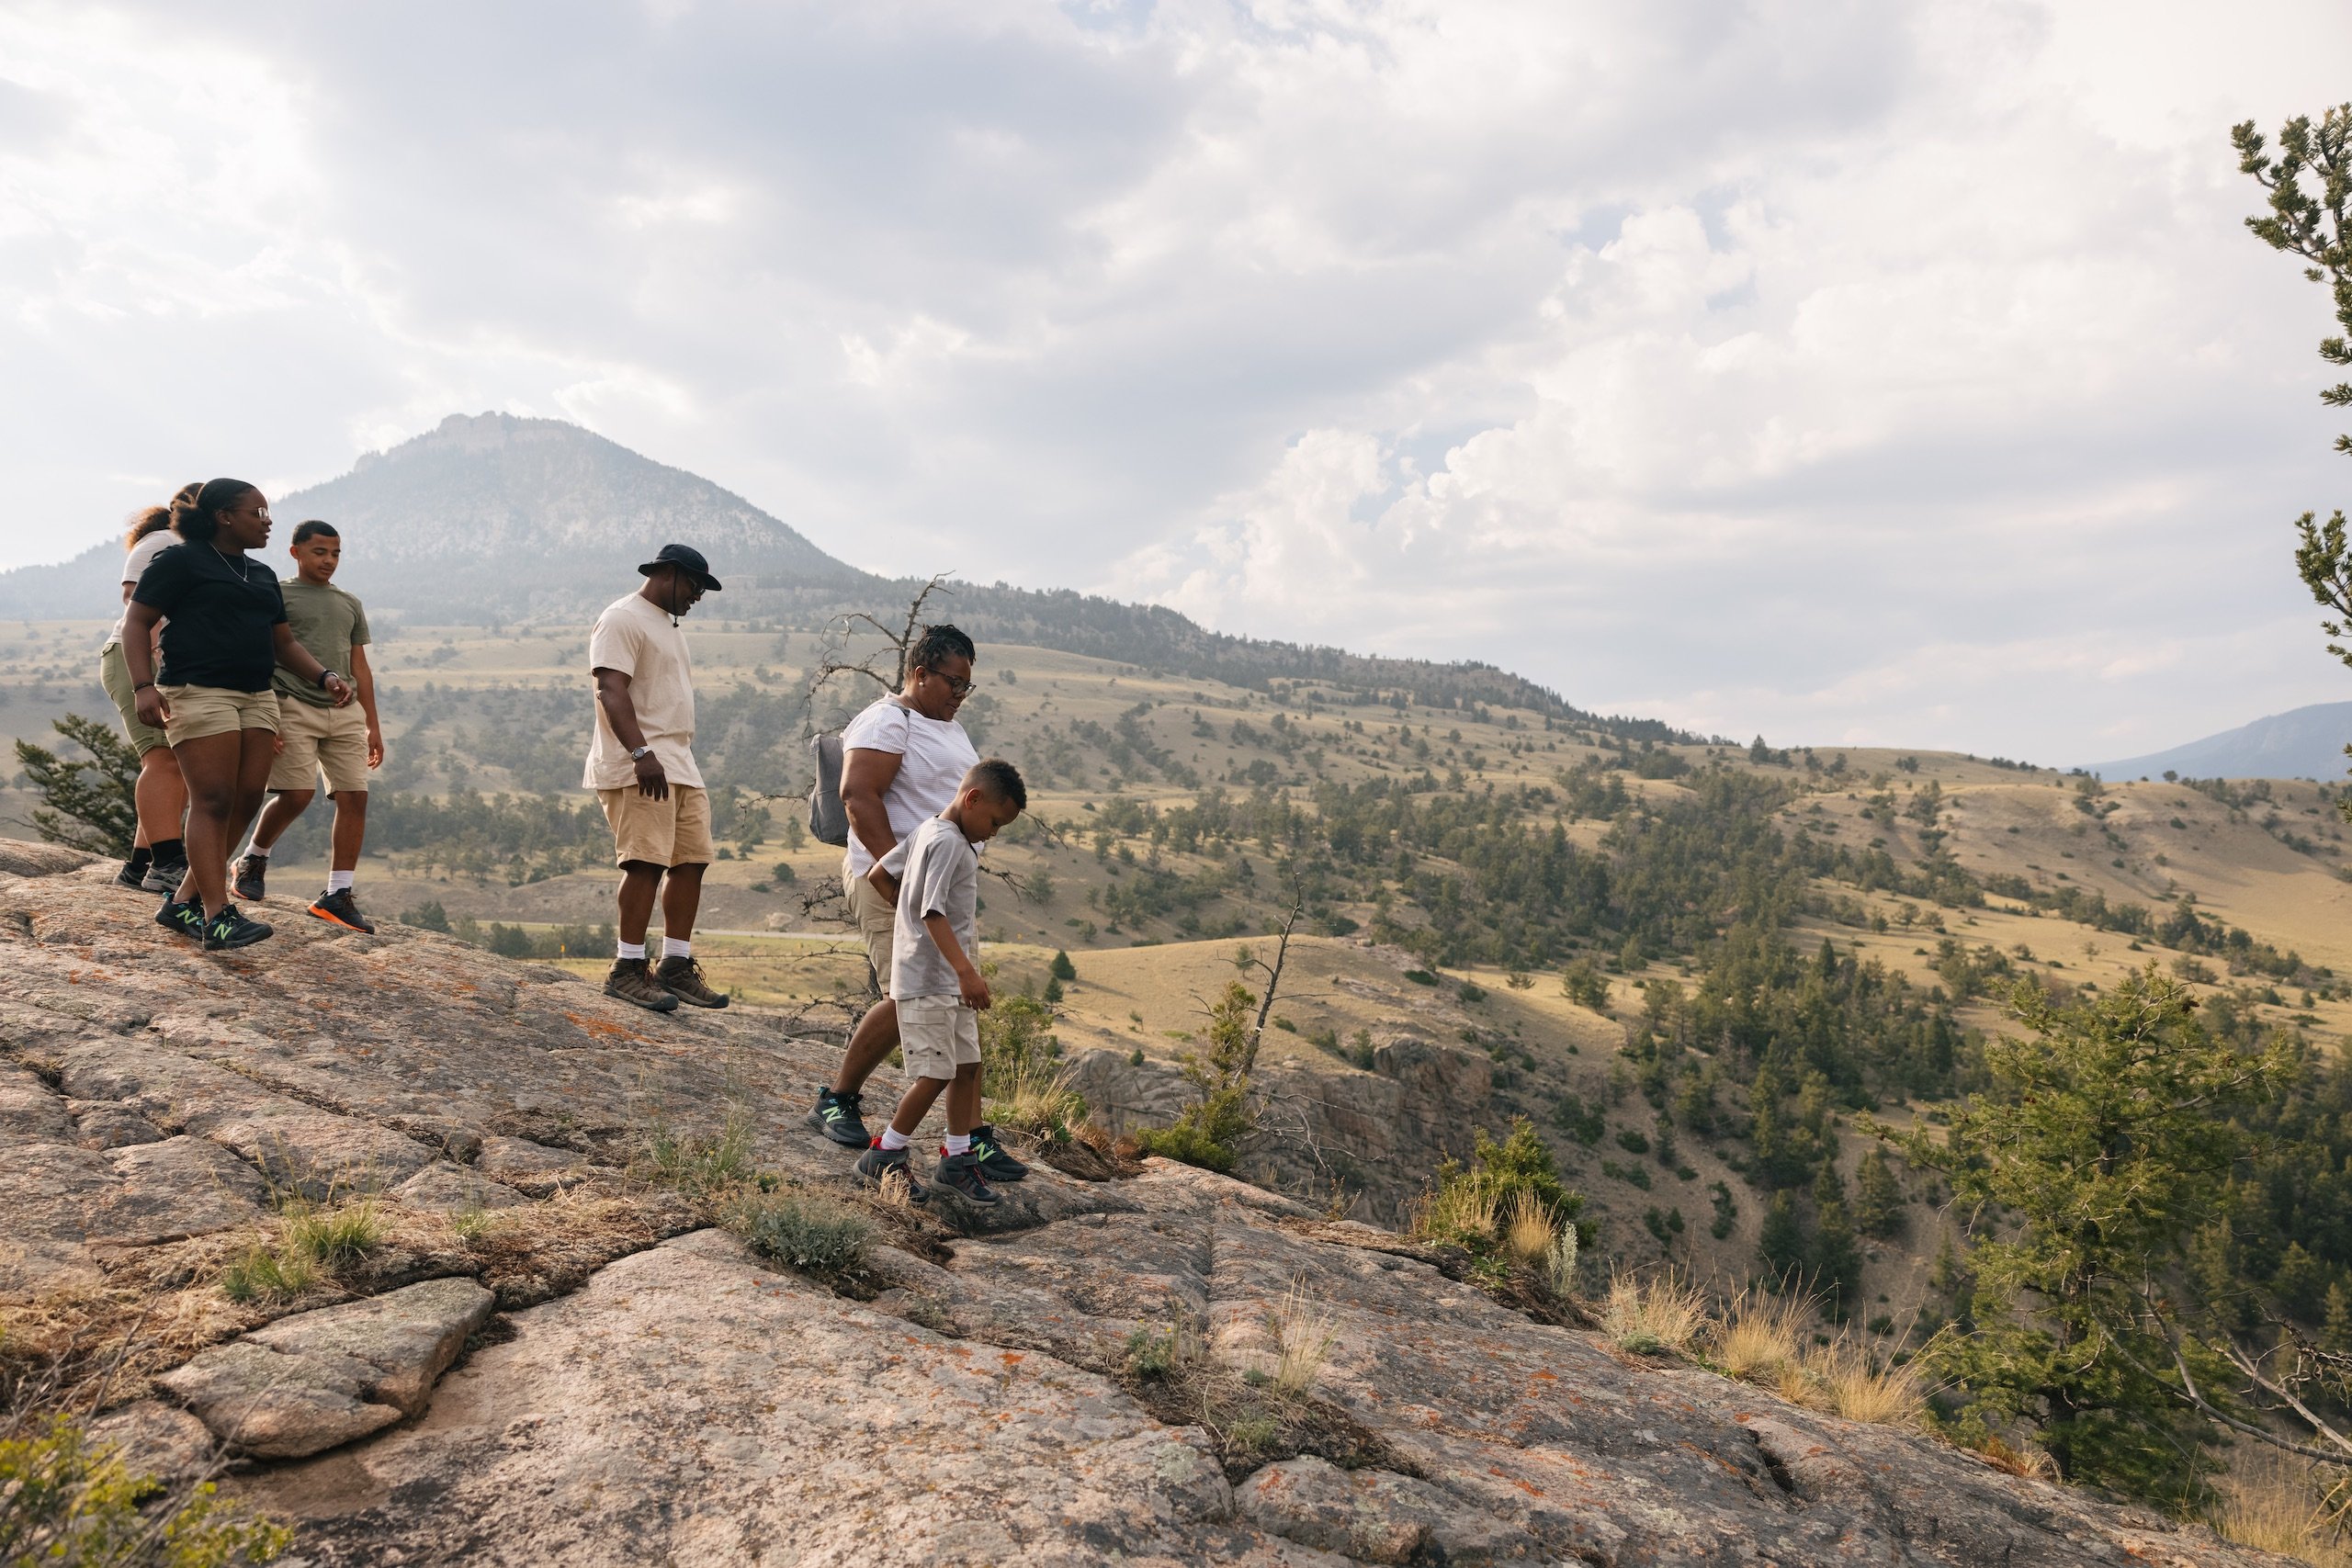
(938, 1035)
(669, 832)
(877, 918)
(114, 674)
(327, 740)
(199, 711)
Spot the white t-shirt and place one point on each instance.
(638, 639)
(934, 756)
(134, 566)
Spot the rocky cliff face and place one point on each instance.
(629, 1386)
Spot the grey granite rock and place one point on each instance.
(317, 1379)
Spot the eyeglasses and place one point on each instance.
(955, 687)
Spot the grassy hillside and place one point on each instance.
(1765, 945)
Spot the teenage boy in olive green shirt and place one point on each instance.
(315, 738)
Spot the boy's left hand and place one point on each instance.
(973, 990)
(375, 747)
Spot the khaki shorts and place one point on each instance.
(669, 832)
(199, 711)
(938, 1035)
(877, 918)
(332, 741)
(114, 674)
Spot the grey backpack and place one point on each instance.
(828, 822)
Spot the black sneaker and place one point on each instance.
(341, 909)
(996, 1161)
(133, 873)
(182, 920)
(960, 1174)
(246, 877)
(230, 928)
(878, 1164)
(165, 875)
(836, 1116)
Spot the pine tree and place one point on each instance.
(2108, 1138)
(1836, 1261)
(84, 804)
(1062, 968)
(1781, 1248)
(2335, 1328)
(1878, 1200)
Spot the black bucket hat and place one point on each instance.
(685, 557)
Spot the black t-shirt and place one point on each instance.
(219, 611)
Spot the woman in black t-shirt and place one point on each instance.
(224, 634)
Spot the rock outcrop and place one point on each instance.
(979, 1393)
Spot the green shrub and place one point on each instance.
(802, 1230)
(67, 1503)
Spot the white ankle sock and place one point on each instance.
(630, 949)
(894, 1139)
(255, 851)
(672, 948)
(339, 881)
(956, 1144)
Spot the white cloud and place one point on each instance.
(1849, 371)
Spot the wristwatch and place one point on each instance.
(640, 754)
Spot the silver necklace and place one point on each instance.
(242, 574)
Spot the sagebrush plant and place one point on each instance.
(812, 1231)
(66, 1501)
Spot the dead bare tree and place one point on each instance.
(833, 660)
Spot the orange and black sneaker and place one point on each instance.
(248, 879)
(340, 907)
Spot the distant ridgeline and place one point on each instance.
(494, 519)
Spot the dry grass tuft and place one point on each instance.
(1760, 1334)
(1454, 1210)
(1303, 1332)
(1038, 1102)
(1847, 1382)
(1648, 1316)
(1528, 1230)
(2273, 1504)
(2032, 1463)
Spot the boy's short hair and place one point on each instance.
(1001, 780)
(312, 528)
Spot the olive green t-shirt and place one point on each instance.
(327, 621)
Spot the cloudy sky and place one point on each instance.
(1893, 371)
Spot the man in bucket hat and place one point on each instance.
(641, 765)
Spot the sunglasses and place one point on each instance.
(956, 688)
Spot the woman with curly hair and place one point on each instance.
(158, 860)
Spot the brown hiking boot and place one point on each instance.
(683, 978)
(633, 983)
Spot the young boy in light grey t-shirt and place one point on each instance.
(935, 978)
